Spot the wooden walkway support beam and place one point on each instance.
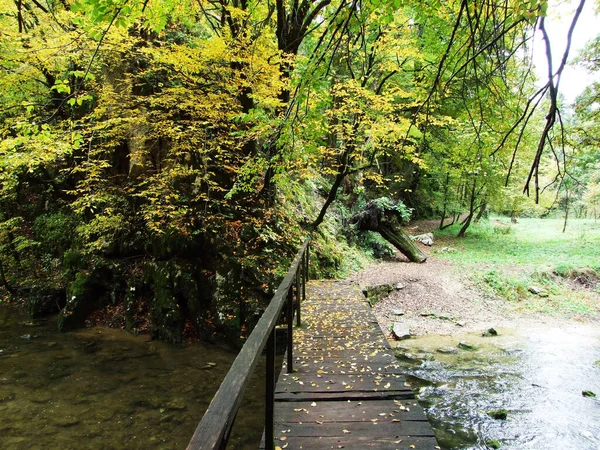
(346, 390)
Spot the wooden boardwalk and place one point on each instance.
(346, 391)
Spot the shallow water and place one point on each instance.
(536, 375)
(106, 389)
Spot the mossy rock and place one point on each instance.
(176, 298)
(167, 316)
(467, 346)
(498, 414)
(490, 332)
(493, 443)
(87, 293)
(375, 293)
(45, 300)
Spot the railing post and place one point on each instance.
(298, 296)
(290, 336)
(306, 260)
(270, 397)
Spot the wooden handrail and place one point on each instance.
(213, 430)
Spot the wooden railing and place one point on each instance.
(214, 428)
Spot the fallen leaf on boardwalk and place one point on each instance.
(395, 420)
(346, 431)
(387, 386)
(313, 404)
(411, 446)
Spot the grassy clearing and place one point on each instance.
(509, 259)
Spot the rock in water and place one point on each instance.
(400, 331)
(489, 332)
(493, 443)
(499, 414)
(447, 350)
(467, 346)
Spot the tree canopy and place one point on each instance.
(165, 157)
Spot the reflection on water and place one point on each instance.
(105, 389)
(536, 375)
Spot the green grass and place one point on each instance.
(531, 241)
(506, 259)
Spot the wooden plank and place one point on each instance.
(405, 394)
(366, 356)
(360, 443)
(387, 429)
(334, 366)
(349, 411)
(341, 378)
(340, 383)
(350, 332)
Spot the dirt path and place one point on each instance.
(436, 298)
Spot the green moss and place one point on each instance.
(87, 293)
(167, 316)
(493, 443)
(498, 414)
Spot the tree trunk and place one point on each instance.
(330, 198)
(401, 240)
(4, 282)
(481, 213)
(445, 200)
(566, 213)
(386, 222)
(467, 221)
(449, 224)
(466, 225)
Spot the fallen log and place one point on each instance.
(387, 221)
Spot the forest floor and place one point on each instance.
(444, 296)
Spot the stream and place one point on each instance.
(536, 375)
(104, 388)
(107, 389)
